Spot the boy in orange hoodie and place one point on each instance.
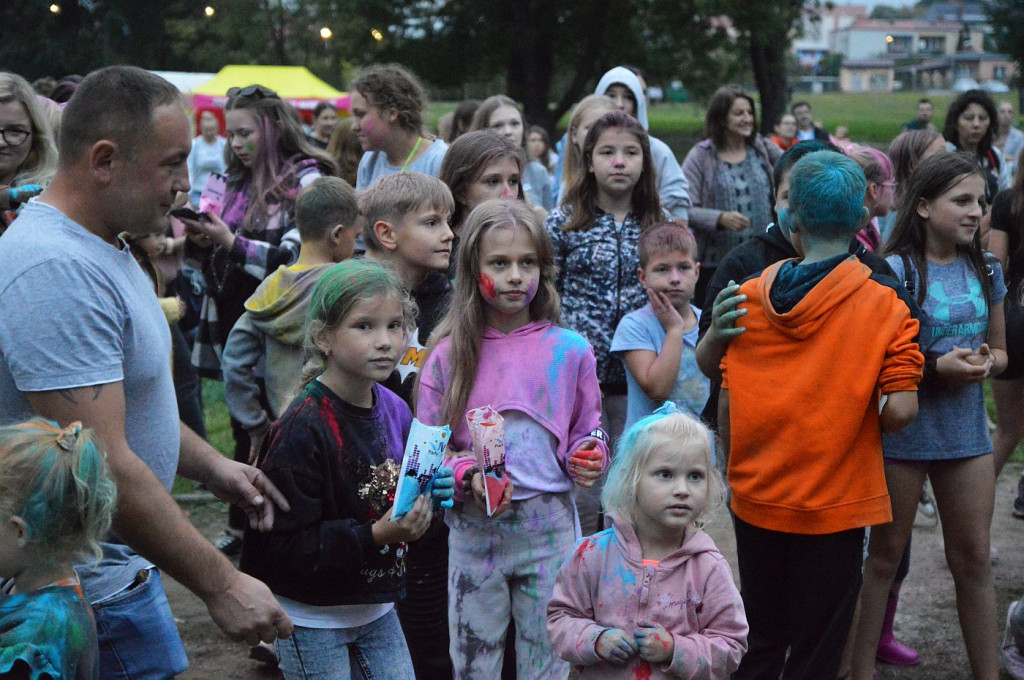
(828, 361)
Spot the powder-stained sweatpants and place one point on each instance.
(505, 566)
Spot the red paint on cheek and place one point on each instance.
(487, 286)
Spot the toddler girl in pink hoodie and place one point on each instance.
(652, 597)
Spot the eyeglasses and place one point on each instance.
(891, 185)
(252, 92)
(14, 136)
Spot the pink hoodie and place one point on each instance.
(548, 373)
(690, 592)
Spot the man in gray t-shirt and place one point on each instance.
(83, 338)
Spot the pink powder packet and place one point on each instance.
(212, 198)
(487, 430)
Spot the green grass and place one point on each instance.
(871, 117)
(218, 428)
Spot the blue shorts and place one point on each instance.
(138, 639)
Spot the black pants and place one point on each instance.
(187, 388)
(424, 611)
(799, 592)
(236, 516)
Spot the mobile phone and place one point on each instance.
(189, 214)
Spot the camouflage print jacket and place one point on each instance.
(598, 284)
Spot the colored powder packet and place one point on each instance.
(487, 430)
(424, 454)
(212, 198)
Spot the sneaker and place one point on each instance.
(1018, 502)
(228, 543)
(927, 505)
(264, 653)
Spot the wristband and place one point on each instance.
(599, 435)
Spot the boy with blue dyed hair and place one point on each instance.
(828, 361)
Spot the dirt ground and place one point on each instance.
(926, 619)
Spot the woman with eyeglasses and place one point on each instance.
(268, 162)
(28, 153)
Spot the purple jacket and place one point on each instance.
(605, 584)
(547, 372)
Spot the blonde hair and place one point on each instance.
(574, 163)
(464, 321)
(392, 197)
(58, 482)
(41, 162)
(670, 429)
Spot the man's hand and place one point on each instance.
(248, 488)
(246, 610)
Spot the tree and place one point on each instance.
(1007, 19)
(541, 50)
(887, 13)
(767, 30)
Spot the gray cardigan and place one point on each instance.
(701, 171)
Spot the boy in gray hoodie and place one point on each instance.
(262, 359)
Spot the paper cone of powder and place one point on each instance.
(424, 454)
(212, 198)
(487, 429)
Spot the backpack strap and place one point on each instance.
(908, 275)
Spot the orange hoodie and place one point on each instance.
(804, 387)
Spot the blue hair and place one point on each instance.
(826, 195)
(58, 482)
(794, 153)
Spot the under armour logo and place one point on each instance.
(973, 296)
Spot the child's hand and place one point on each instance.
(443, 486)
(668, 316)
(255, 442)
(984, 358)
(724, 312)
(585, 464)
(615, 646)
(956, 367)
(479, 496)
(409, 528)
(656, 645)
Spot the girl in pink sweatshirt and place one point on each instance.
(652, 597)
(500, 346)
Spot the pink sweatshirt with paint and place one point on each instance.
(605, 584)
(542, 370)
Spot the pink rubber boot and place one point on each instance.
(890, 650)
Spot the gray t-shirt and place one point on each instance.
(375, 164)
(642, 330)
(76, 312)
(950, 421)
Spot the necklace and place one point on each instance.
(412, 153)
